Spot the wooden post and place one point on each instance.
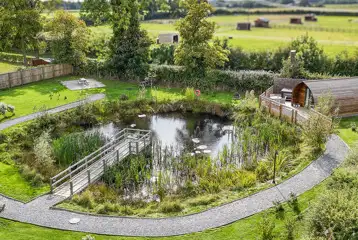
(104, 165)
(296, 113)
(270, 106)
(71, 188)
(130, 148)
(260, 101)
(8, 79)
(280, 111)
(137, 147)
(293, 115)
(118, 156)
(51, 186)
(89, 176)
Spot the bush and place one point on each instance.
(85, 199)
(190, 94)
(267, 225)
(37, 180)
(43, 154)
(336, 214)
(215, 79)
(123, 97)
(263, 172)
(203, 200)
(28, 173)
(171, 207)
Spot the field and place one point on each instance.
(8, 67)
(335, 34)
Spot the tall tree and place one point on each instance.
(20, 25)
(70, 37)
(129, 45)
(196, 50)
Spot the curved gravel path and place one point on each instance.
(62, 108)
(39, 211)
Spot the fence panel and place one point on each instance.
(13, 79)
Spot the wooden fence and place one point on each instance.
(288, 113)
(13, 79)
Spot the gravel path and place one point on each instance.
(38, 212)
(62, 108)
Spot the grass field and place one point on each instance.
(8, 67)
(335, 34)
(342, 6)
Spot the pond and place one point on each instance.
(182, 132)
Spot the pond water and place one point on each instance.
(182, 131)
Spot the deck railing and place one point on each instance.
(126, 142)
(288, 113)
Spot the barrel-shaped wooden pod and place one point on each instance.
(345, 92)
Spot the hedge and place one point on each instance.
(215, 79)
(12, 57)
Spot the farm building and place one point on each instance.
(295, 21)
(311, 18)
(168, 38)
(262, 22)
(345, 92)
(243, 26)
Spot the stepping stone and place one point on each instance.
(197, 152)
(196, 140)
(192, 154)
(74, 220)
(202, 147)
(142, 116)
(207, 151)
(133, 125)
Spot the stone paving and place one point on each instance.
(39, 211)
(62, 108)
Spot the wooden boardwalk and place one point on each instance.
(90, 169)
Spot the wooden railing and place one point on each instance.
(288, 113)
(126, 142)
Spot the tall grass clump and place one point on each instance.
(73, 147)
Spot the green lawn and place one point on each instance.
(345, 130)
(14, 185)
(244, 229)
(8, 67)
(36, 96)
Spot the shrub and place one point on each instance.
(123, 97)
(266, 228)
(27, 172)
(190, 94)
(88, 237)
(289, 233)
(279, 209)
(336, 213)
(43, 154)
(106, 208)
(37, 180)
(171, 207)
(263, 172)
(85, 199)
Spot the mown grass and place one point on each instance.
(36, 96)
(12, 184)
(346, 132)
(8, 67)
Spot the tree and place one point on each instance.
(129, 46)
(309, 53)
(70, 38)
(96, 10)
(196, 51)
(20, 25)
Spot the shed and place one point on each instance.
(168, 38)
(262, 22)
(244, 26)
(311, 18)
(295, 21)
(345, 92)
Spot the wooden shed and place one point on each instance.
(295, 21)
(168, 38)
(244, 26)
(310, 18)
(345, 92)
(262, 22)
